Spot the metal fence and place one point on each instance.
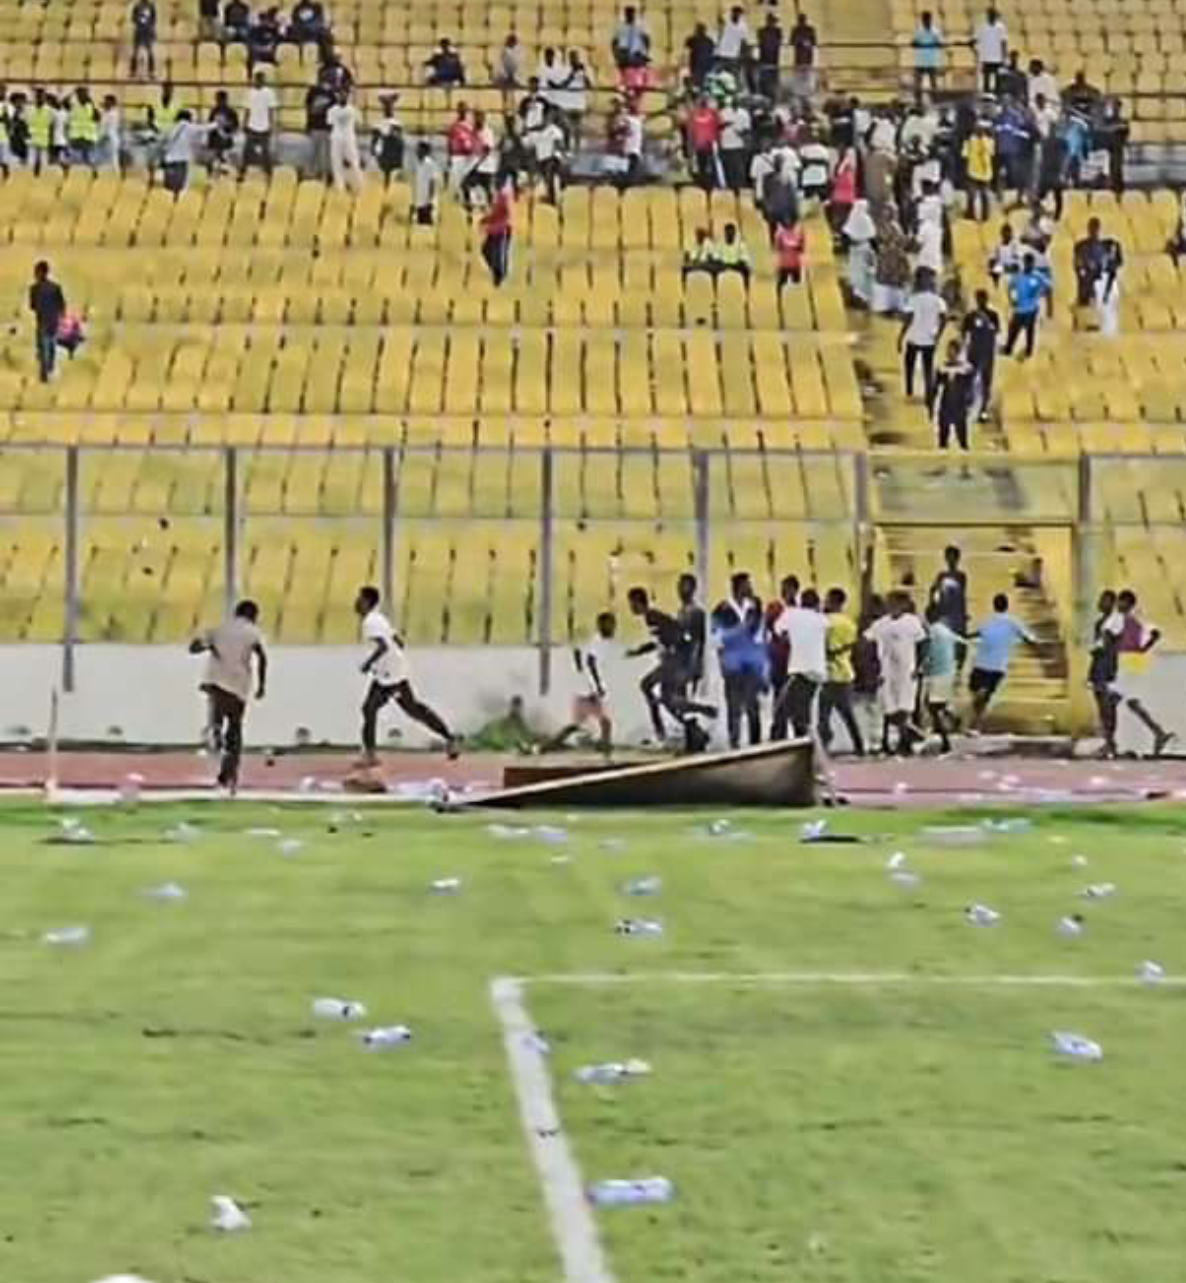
(92, 511)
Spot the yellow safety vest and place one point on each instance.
(41, 124)
(732, 255)
(5, 113)
(83, 126)
(703, 252)
(979, 152)
(165, 114)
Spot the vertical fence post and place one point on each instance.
(230, 528)
(701, 496)
(1084, 553)
(70, 560)
(389, 527)
(860, 517)
(546, 558)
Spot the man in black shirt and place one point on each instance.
(1012, 81)
(236, 21)
(804, 42)
(982, 330)
(445, 67)
(48, 305)
(702, 51)
(692, 618)
(769, 53)
(318, 100)
(955, 386)
(144, 35)
(1103, 670)
(666, 685)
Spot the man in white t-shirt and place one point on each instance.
(991, 42)
(736, 127)
(548, 143)
(592, 704)
(343, 143)
(733, 39)
(232, 647)
(898, 637)
(259, 122)
(806, 632)
(386, 664)
(922, 327)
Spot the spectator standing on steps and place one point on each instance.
(344, 160)
(991, 43)
(48, 305)
(770, 42)
(387, 140)
(982, 331)
(1027, 289)
(955, 389)
(496, 233)
(426, 185)
(804, 52)
(928, 54)
(319, 98)
(144, 36)
(260, 120)
(922, 327)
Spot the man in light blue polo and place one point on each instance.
(928, 53)
(996, 638)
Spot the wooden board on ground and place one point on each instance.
(781, 774)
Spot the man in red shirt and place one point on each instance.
(496, 233)
(790, 246)
(704, 133)
(461, 142)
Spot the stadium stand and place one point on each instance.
(314, 330)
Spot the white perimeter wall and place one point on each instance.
(151, 693)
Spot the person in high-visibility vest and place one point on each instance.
(40, 117)
(732, 254)
(83, 128)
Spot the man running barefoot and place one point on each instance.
(387, 666)
(227, 685)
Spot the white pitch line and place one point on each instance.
(855, 978)
(573, 1226)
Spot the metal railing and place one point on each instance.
(705, 502)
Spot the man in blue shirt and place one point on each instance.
(1027, 289)
(996, 638)
(928, 53)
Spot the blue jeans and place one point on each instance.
(47, 344)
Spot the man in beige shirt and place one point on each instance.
(228, 682)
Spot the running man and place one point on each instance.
(1134, 640)
(836, 695)
(666, 685)
(231, 647)
(592, 705)
(387, 666)
(1103, 670)
(995, 638)
(901, 645)
(693, 619)
(939, 675)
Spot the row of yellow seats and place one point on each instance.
(429, 370)
(668, 304)
(26, 432)
(118, 214)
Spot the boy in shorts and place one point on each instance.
(592, 703)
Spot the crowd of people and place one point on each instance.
(806, 663)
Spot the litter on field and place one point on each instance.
(622, 1193)
(68, 937)
(338, 1009)
(1151, 973)
(1098, 891)
(386, 1037)
(905, 878)
(167, 892)
(446, 886)
(1076, 1046)
(1071, 925)
(288, 847)
(643, 886)
(551, 834)
(262, 833)
(614, 1071)
(980, 915)
(896, 861)
(507, 831)
(638, 927)
(1078, 861)
(183, 832)
(954, 835)
(228, 1217)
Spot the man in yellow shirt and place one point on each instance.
(980, 158)
(836, 695)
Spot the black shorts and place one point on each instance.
(983, 681)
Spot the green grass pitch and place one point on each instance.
(828, 1133)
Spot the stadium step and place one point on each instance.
(857, 59)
